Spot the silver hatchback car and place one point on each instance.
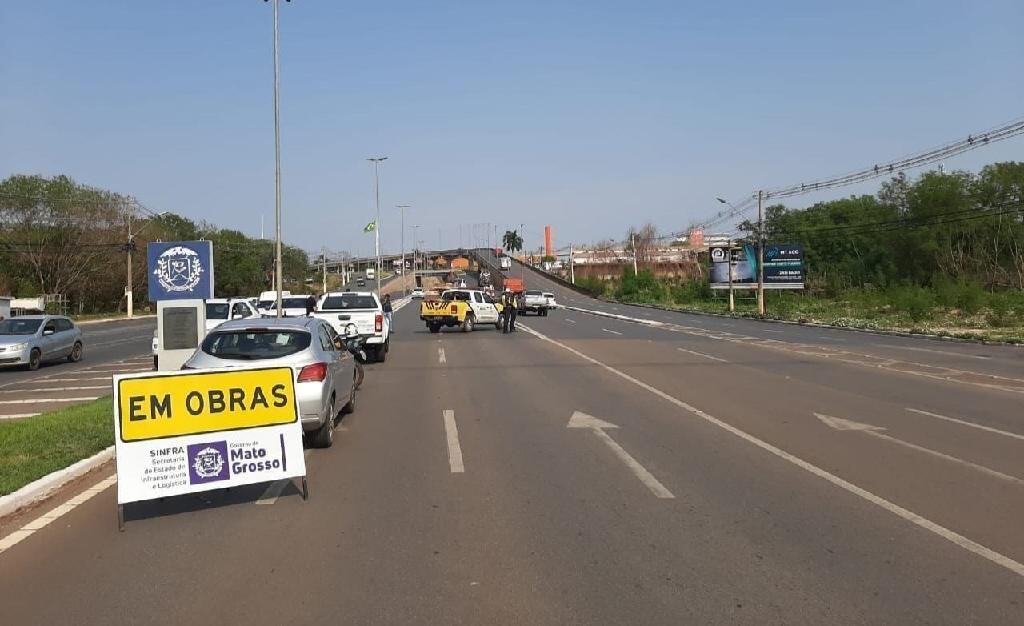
(325, 372)
(29, 340)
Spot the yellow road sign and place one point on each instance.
(189, 403)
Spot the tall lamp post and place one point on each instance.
(376, 229)
(278, 272)
(416, 245)
(402, 208)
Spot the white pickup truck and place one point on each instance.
(534, 301)
(362, 308)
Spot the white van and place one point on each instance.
(371, 273)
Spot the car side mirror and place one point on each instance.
(237, 316)
(48, 331)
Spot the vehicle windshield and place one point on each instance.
(456, 295)
(255, 345)
(19, 327)
(348, 301)
(217, 310)
(265, 304)
(289, 303)
(534, 293)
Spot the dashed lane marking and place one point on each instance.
(706, 356)
(614, 332)
(451, 432)
(440, 356)
(966, 423)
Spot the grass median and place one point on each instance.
(33, 447)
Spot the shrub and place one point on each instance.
(916, 302)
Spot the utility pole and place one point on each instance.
(632, 243)
(760, 254)
(402, 208)
(415, 247)
(572, 270)
(376, 227)
(323, 257)
(278, 272)
(129, 296)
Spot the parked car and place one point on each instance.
(220, 310)
(30, 340)
(325, 372)
(550, 297)
(267, 299)
(417, 293)
(292, 306)
(362, 308)
(465, 308)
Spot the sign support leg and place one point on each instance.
(120, 518)
(305, 489)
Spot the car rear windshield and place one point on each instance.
(19, 327)
(255, 345)
(348, 301)
(217, 310)
(462, 296)
(534, 293)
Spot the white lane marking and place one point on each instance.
(614, 332)
(933, 351)
(841, 424)
(706, 356)
(18, 416)
(56, 389)
(597, 426)
(273, 491)
(957, 539)
(569, 321)
(42, 521)
(769, 330)
(451, 432)
(966, 423)
(43, 400)
(441, 358)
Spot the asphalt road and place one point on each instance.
(110, 347)
(719, 496)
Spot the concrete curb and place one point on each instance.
(39, 490)
(114, 319)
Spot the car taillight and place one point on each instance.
(314, 373)
(378, 322)
(455, 310)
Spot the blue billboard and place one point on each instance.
(180, 270)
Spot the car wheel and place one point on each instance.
(467, 324)
(324, 437)
(382, 353)
(35, 358)
(76, 353)
(350, 406)
(434, 328)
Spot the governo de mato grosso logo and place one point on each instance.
(179, 269)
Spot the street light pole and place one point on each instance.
(402, 208)
(376, 228)
(278, 270)
(415, 246)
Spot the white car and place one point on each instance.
(362, 308)
(417, 293)
(551, 300)
(220, 310)
(268, 298)
(291, 306)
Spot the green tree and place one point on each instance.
(512, 241)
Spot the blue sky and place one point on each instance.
(589, 116)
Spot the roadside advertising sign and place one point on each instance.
(190, 431)
(180, 270)
(783, 267)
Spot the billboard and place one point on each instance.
(783, 266)
(180, 270)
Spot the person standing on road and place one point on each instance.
(388, 310)
(506, 310)
(513, 311)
